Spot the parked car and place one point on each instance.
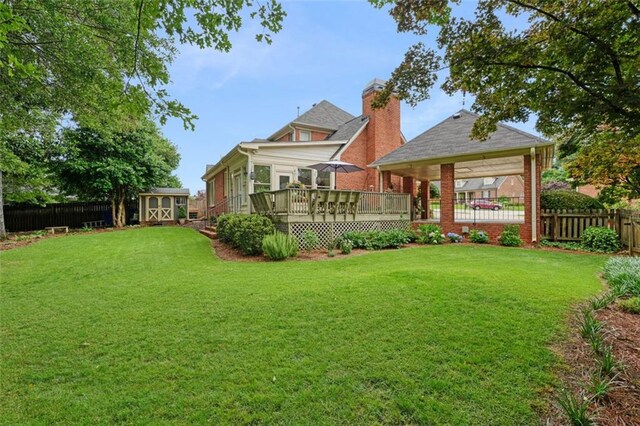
(484, 204)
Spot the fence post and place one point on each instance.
(555, 225)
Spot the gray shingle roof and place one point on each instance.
(172, 191)
(450, 138)
(325, 115)
(475, 184)
(348, 129)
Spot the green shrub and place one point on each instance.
(561, 245)
(567, 199)
(623, 275)
(345, 245)
(631, 305)
(478, 236)
(510, 236)
(310, 240)
(182, 213)
(430, 233)
(378, 240)
(244, 231)
(575, 407)
(603, 240)
(279, 246)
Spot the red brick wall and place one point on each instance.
(219, 187)
(448, 223)
(380, 137)
(284, 138)
(511, 187)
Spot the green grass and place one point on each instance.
(146, 326)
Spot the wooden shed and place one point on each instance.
(161, 205)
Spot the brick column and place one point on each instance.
(425, 197)
(409, 186)
(447, 192)
(386, 181)
(525, 232)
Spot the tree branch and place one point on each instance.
(615, 61)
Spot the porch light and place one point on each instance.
(318, 180)
(252, 175)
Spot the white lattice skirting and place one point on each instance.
(329, 231)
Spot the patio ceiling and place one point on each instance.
(502, 163)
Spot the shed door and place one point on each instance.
(152, 209)
(166, 211)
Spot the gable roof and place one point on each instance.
(451, 138)
(323, 115)
(348, 129)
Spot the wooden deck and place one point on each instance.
(319, 205)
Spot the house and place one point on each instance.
(324, 132)
(488, 188)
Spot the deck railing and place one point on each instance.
(321, 202)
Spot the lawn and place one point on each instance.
(147, 326)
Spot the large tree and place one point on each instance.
(115, 166)
(573, 63)
(104, 65)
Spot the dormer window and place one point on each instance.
(489, 180)
(305, 135)
(460, 183)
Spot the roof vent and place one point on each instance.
(456, 115)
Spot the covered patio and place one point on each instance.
(446, 153)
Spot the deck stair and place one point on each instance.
(209, 232)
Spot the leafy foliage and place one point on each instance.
(279, 246)
(510, 236)
(345, 245)
(564, 199)
(623, 275)
(455, 238)
(99, 166)
(430, 233)
(600, 239)
(378, 240)
(310, 240)
(631, 305)
(573, 64)
(244, 231)
(561, 245)
(478, 236)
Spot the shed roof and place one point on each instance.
(167, 191)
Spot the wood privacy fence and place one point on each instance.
(568, 225)
(20, 218)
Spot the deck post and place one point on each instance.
(425, 198)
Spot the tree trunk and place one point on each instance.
(3, 231)
(113, 211)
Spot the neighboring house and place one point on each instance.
(323, 133)
(488, 187)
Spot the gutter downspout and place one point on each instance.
(249, 168)
(379, 179)
(534, 197)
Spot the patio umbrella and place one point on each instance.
(336, 166)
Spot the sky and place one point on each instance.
(326, 50)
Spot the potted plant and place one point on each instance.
(182, 215)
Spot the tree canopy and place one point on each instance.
(571, 63)
(116, 166)
(102, 63)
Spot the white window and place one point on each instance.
(262, 181)
(181, 201)
(486, 194)
(305, 135)
(489, 180)
(324, 180)
(211, 192)
(305, 176)
(460, 183)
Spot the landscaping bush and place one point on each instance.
(346, 245)
(378, 240)
(510, 236)
(244, 231)
(279, 246)
(310, 240)
(623, 275)
(561, 245)
(631, 305)
(455, 238)
(478, 236)
(603, 240)
(430, 233)
(567, 199)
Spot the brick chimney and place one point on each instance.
(383, 131)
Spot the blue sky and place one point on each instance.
(326, 50)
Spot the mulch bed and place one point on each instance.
(621, 406)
